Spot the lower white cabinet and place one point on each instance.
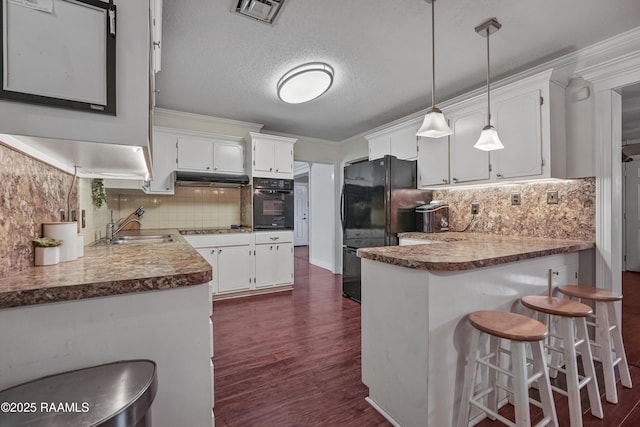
(273, 258)
(229, 256)
(245, 262)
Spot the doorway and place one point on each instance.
(301, 211)
(631, 179)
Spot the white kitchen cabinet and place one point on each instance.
(194, 154)
(201, 152)
(399, 140)
(163, 165)
(228, 157)
(270, 156)
(518, 121)
(433, 161)
(155, 7)
(231, 259)
(468, 164)
(273, 258)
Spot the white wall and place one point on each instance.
(322, 248)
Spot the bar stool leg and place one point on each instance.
(603, 338)
(520, 386)
(492, 397)
(469, 380)
(544, 386)
(625, 376)
(587, 365)
(571, 366)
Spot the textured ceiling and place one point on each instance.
(218, 63)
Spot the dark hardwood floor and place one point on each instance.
(293, 359)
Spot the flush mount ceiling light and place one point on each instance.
(305, 82)
(489, 139)
(434, 125)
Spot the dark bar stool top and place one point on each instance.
(110, 395)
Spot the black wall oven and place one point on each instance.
(273, 207)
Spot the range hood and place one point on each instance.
(202, 179)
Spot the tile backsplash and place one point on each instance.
(573, 217)
(31, 193)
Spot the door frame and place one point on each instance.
(606, 78)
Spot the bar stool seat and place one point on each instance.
(572, 321)
(608, 337)
(519, 331)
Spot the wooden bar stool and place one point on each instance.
(608, 336)
(519, 331)
(572, 321)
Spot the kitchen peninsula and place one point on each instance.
(414, 302)
(118, 302)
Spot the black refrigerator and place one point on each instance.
(378, 201)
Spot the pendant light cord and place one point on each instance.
(433, 53)
(488, 82)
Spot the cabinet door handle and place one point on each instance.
(499, 175)
(277, 170)
(274, 238)
(270, 248)
(213, 251)
(455, 179)
(270, 169)
(208, 167)
(215, 169)
(219, 251)
(444, 180)
(278, 248)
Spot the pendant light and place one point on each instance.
(489, 139)
(434, 125)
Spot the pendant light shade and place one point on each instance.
(489, 139)
(434, 125)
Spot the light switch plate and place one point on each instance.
(552, 197)
(475, 208)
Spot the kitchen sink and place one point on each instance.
(142, 239)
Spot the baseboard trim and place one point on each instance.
(252, 292)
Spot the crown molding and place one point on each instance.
(302, 138)
(174, 114)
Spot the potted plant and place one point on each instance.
(46, 250)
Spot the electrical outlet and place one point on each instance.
(515, 198)
(84, 222)
(552, 197)
(475, 207)
(63, 217)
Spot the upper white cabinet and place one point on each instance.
(529, 116)
(156, 33)
(520, 130)
(213, 153)
(163, 163)
(433, 161)
(131, 124)
(468, 164)
(399, 140)
(270, 156)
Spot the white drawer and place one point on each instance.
(202, 240)
(235, 239)
(263, 237)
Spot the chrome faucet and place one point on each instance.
(112, 231)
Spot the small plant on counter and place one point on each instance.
(46, 242)
(98, 195)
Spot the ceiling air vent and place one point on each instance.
(261, 10)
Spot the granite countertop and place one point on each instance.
(464, 251)
(226, 230)
(109, 270)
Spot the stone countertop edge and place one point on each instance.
(465, 251)
(107, 270)
(199, 231)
